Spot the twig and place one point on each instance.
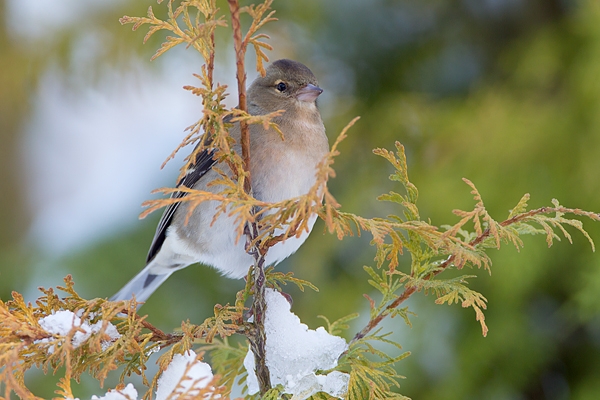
(157, 334)
(240, 53)
(211, 60)
(258, 337)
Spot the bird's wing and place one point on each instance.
(204, 163)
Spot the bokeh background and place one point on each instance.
(503, 92)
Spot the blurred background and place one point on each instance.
(503, 92)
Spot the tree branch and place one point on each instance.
(410, 290)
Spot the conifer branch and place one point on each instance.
(257, 337)
(534, 216)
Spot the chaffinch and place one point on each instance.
(280, 170)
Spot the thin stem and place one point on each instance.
(157, 334)
(258, 337)
(240, 53)
(211, 59)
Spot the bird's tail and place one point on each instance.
(142, 285)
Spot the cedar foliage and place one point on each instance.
(24, 344)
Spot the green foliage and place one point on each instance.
(228, 361)
(372, 379)
(276, 280)
(433, 250)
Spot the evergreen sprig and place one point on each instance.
(195, 30)
(24, 344)
(371, 379)
(433, 249)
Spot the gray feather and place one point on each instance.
(141, 286)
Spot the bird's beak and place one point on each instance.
(309, 93)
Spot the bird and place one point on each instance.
(280, 169)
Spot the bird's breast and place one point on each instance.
(284, 176)
(285, 168)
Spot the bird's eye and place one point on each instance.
(281, 86)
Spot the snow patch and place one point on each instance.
(295, 353)
(128, 393)
(175, 380)
(62, 322)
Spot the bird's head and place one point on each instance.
(287, 84)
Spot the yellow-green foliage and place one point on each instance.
(24, 344)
